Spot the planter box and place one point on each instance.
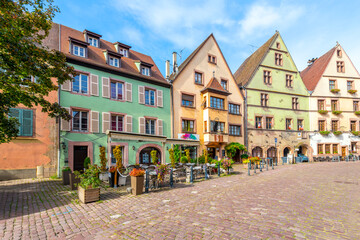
(88, 195)
(122, 181)
(66, 177)
(137, 185)
(104, 176)
(73, 181)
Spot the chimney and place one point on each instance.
(167, 69)
(311, 61)
(174, 62)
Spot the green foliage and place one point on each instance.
(324, 132)
(243, 156)
(323, 111)
(355, 133)
(357, 112)
(183, 159)
(231, 149)
(24, 26)
(337, 132)
(172, 157)
(154, 158)
(187, 153)
(352, 91)
(118, 156)
(336, 112)
(335, 90)
(206, 156)
(90, 178)
(177, 153)
(87, 162)
(54, 177)
(103, 159)
(66, 169)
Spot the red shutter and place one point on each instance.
(66, 125)
(105, 87)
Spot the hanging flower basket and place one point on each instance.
(323, 111)
(335, 90)
(352, 91)
(336, 112)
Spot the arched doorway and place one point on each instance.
(271, 152)
(286, 151)
(257, 152)
(145, 155)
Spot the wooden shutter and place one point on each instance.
(27, 123)
(128, 92)
(66, 86)
(94, 85)
(65, 125)
(128, 123)
(105, 87)
(105, 121)
(159, 94)
(94, 127)
(142, 125)
(141, 94)
(160, 127)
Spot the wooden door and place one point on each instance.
(343, 151)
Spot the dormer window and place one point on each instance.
(112, 58)
(92, 38)
(121, 48)
(77, 47)
(145, 71)
(93, 41)
(124, 52)
(78, 50)
(114, 61)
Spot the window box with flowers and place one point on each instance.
(336, 112)
(335, 152)
(337, 133)
(324, 132)
(137, 181)
(352, 91)
(357, 112)
(355, 133)
(323, 111)
(321, 152)
(335, 90)
(327, 152)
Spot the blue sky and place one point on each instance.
(159, 27)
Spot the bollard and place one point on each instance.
(276, 162)
(171, 178)
(249, 166)
(282, 161)
(191, 174)
(338, 158)
(255, 167)
(346, 158)
(267, 165)
(146, 181)
(206, 175)
(218, 169)
(261, 165)
(272, 164)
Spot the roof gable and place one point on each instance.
(215, 86)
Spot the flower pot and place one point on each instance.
(88, 195)
(112, 180)
(73, 181)
(104, 176)
(66, 177)
(137, 185)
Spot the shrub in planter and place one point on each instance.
(336, 112)
(335, 90)
(323, 111)
(324, 132)
(89, 186)
(244, 156)
(74, 180)
(66, 175)
(154, 158)
(337, 132)
(137, 181)
(87, 162)
(104, 176)
(226, 164)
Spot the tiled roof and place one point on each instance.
(246, 70)
(96, 56)
(312, 74)
(214, 85)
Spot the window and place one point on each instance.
(149, 97)
(205, 126)
(117, 90)
(93, 42)
(212, 59)
(320, 148)
(113, 61)
(80, 121)
(198, 78)
(124, 52)
(25, 119)
(288, 124)
(356, 106)
(278, 45)
(334, 105)
(295, 103)
(339, 53)
(187, 100)
(321, 124)
(321, 104)
(264, 99)
(334, 125)
(267, 77)
(278, 59)
(217, 103)
(353, 147)
(258, 122)
(80, 84)
(150, 126)
(145, 71)
(289, 80)
(353, 125)
(235, 130)
(216, 126)
(350, 85)
(117, 123)
(335, 149)
(269, 122)
(300, 125)
(224, 84)
(187, 125)
(327, 148)
(78, 51)
(332, 84)
(234, 109)
(340, 66)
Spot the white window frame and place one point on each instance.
(149, 103)
(124, 52)
(152, 121)
(117, 90)
(93, 41)
(117, 122)
(77, 48)
(80, 118)
(113, 61)
(145, 71)
(80, 84)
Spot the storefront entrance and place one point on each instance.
(145, 155)
(80, 153)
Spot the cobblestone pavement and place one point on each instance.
(303, 201)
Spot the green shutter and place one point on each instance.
(27, 122)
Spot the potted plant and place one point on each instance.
(137, 181)
(66, 175)
(352, 91)
(336, 112)
(187, 153)
(89, 186)
(246, 163)
(337, 133)
(335, 90)
(74, 180)
(87, 162)
(112, 171)
(226, 164)
(321, 152)
(154, 158)
(355, 133)
(324, 132)
(161, 170)
(183, 159)
(119, 167)
(104, 176)
(357, 112)
(327, 152)
(323, 111)
(172, 157)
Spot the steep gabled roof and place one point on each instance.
(246, 70)
(215, 86)
(312, 74)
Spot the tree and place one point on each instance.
(24, 26)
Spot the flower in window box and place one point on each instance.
(323, 111)
(327, 152)
(335, 90)
(301, 128)
(335, 152)
(337, 132)
(352, 91)
(357, 112)
(336, 112)
(355, 133)
(320, 152)
(259, 125)
(289, 127)
(324, 132)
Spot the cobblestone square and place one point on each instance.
(302, 201)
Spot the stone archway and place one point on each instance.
(144, 153)
(257, 152)
(286, 151)
(271, 152)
